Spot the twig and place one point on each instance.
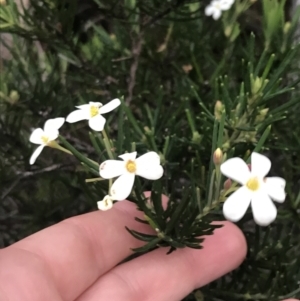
(136, 51)
(26, 174)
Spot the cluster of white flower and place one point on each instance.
(147, 166)
(256, 188)
(216, 7)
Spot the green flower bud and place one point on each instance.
(218, 109)
(196, 137)
(14, 97)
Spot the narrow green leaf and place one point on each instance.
(149, 246)
(79, 156)
(262, 139)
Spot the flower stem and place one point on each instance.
(107, 145)
(94, 180)
(54, 144)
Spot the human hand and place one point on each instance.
(77, 260)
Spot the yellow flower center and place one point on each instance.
(45, 139)
(253, 184)
(131, 166)
(94, 111)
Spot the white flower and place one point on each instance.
(216, 7)
(45, 136)
(106, 203)
(147, 166)
(93, 113)
(256, 190)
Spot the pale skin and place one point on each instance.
(77, 260)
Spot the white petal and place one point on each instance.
(122, 187)
(264, 210)
(52, 134)
(110, 106)
(275, 188)
(95, 104)
(97, 123)
(148, 166)
(225, 5)
(148, 158)
(105, 204)
(128, 156)
(150, 172)
(260, 165)
(112, 168)
(78, 115)
(85, 107)
(217, 14)
(35, 154)
(236, 205)
(36, 136)
(236, 169)
(53, 124)
(209, 10)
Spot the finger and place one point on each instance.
(160, 277)
(80, 249)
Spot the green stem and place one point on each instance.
(107, 144)
(90, 163)
(94, 180)
(54, 144)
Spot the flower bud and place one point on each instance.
(218, 156)
(286, 27)
(227, 184)
(262, 115)
(218, 110)
(196, 137)
(264, 112)
(14, 97)
(256, 85)
(106, 203)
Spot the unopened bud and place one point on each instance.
(227, 184)
(264, 112)
(226, 146)
(3, 2)
(250, 136)
(286, 27)
(147, 130)
(196, 137)
(218, 110)
(228, 30)
(256, 85)
(14, 97)
(261, 116)
(218, 156)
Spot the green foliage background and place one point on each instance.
(170, 64)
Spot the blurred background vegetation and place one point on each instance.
(170, 63)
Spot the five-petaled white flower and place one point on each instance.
(93, 113)
(147, 166)
(256, 190)
(216, 7)
(106, 203)
(45, 136)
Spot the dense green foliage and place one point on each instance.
(170, 64)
